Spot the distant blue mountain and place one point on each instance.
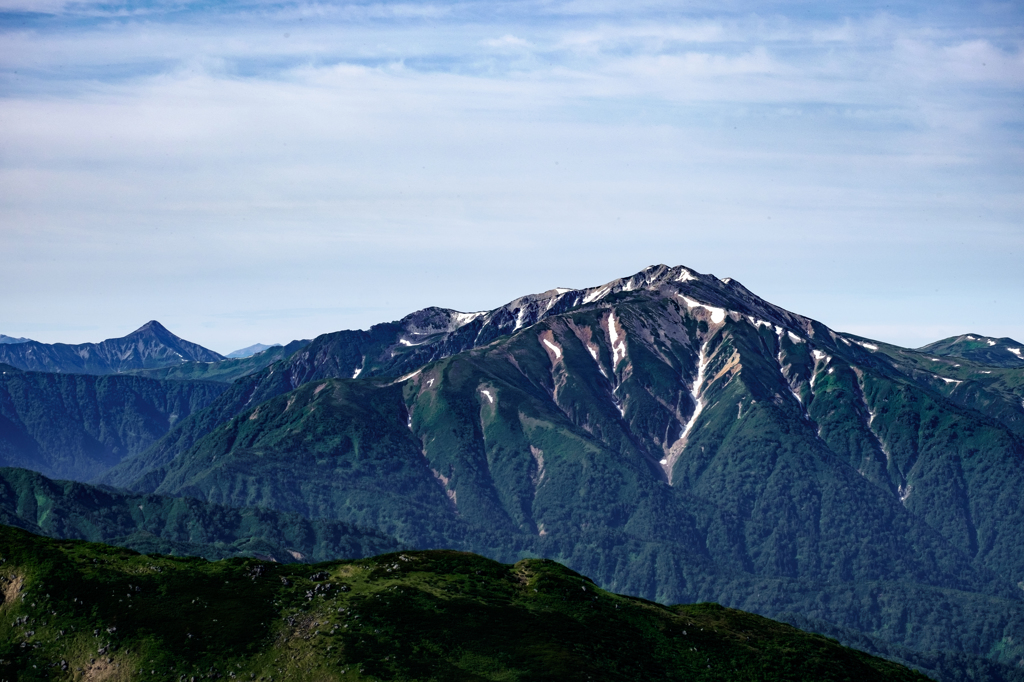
(249, 351)
(148, 347)
(10, 339)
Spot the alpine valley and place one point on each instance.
(671, 435)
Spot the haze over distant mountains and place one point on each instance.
(150, 346)
(10, 339)
(670, 434)
(251, 350)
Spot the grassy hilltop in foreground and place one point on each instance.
(78, 611)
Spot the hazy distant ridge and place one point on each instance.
(148, 347)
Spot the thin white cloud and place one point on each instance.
(150, 162)
(43, 6)
(973, 61)
(506, 41)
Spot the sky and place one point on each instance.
(264, 171)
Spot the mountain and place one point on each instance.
(1004, 352)
(79, 426)
(250, 350)
(10, 339)
(180, 526)
(227, 370)
(149, 346)
(672, 435)
(81, 611)
(388, 349)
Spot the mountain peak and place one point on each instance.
(249, 351)
(153, 327)
(150, 346)
(1001, 352)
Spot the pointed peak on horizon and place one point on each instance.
(152, 325)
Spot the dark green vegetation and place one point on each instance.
(78, 426)
(227, 370)
(149, 346)
(1004, 352)
(77, 611)
(671, 435)
(176, 525)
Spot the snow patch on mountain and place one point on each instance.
(759, 323)
(462, 319)
(592, 349)
(597, 294)
(617, 338)
(717, 314)
(698, 407)
(554, 349)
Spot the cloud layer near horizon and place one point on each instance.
(268, 171)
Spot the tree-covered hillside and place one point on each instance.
(226, 370)
(79, 426)
(176, 525)
(72, 611)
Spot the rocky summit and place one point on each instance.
(669, 434)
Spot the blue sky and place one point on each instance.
(266, 171)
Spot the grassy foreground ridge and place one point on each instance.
(73, 610)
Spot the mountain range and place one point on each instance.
(11, 339)
(149, 346)
(79, 426)
(176, 525)
(670, 434)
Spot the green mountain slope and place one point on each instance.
(1004, 352)
(180, 526)
(670, 434)
(388, 349)
(77, 611)
(78, 426)
(227, 370)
